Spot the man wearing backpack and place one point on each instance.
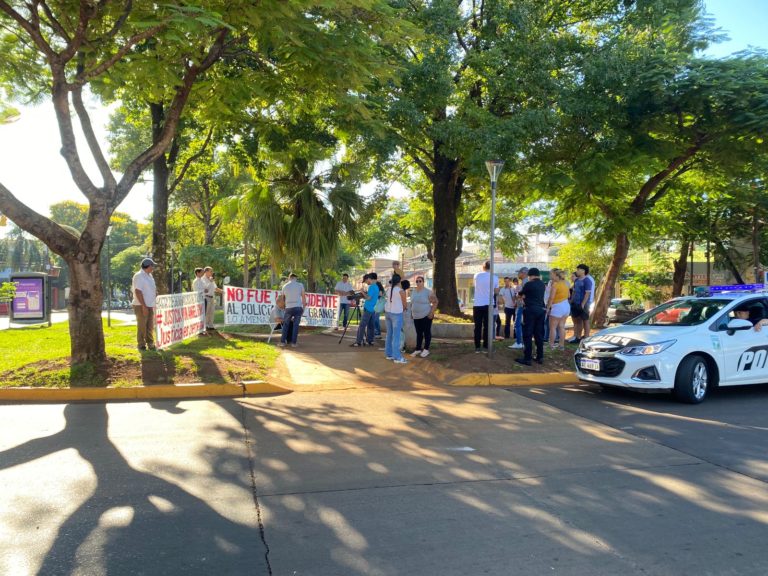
(369, 310)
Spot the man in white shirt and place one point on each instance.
(342, 289)
(209, 291)
(144, 297)
(198, 285)
(483, 297)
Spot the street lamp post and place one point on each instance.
(109, 280)
(494, 169)
(709, 235)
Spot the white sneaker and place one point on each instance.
(516, 347)
(424, 353)
(388, 358)
(401, 361)
(416, 353)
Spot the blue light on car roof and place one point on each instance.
(736, 288)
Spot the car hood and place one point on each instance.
(618, 337)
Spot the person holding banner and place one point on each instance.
(210, 291)
(144, 296)
(198, 285)
(295, 302)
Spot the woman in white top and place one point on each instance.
(394, 306)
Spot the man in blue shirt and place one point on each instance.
(581, 301)
(366, 322)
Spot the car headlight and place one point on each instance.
(647, 349)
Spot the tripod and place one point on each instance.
(354, 314)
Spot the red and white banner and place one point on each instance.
(178, 317)
(254, 306)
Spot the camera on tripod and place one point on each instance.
(356, 296)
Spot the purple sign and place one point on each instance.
(29, 302)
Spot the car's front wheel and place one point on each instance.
(692, 380)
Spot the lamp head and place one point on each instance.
(494, 169)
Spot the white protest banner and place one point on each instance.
(254, 306)
(178, 316)
(321, 310)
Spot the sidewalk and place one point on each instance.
(320, 362)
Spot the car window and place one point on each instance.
(685, 312)
(757, 308)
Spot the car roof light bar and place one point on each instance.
(735, 288)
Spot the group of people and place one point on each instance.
(539, 311)
(145, 296)
(398, 301)
(205, 284)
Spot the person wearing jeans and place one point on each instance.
(522, 276)
(365, 329)
(394, 307)
(534, 311)
(342, 289)
(295, 302)
(291, 321)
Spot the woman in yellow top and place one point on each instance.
(558, 307)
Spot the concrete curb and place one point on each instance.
(159, 392)
(527, 379)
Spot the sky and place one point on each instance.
(32, 168)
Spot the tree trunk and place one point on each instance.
(719, 247)
(160, 194)
(246, 271)
(311, 282)
(446, 198)
(85, 296)
(681, 265)
(258, 266)
(620, 253)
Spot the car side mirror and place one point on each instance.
(738, 324)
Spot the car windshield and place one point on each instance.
(687, 312)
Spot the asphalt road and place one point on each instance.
(549, 480)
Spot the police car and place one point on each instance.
(688, 345)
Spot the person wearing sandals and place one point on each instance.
(394, 307)
(558, 307)
(423, 306)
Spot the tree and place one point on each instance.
(643, 113)
(159, 53)
(301, 214)
(101, 43)
(481, 83)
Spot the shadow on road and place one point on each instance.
(134, 522)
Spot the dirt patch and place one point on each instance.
(461, 356)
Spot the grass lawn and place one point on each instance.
(39, 356)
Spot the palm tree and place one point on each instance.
(300, 216)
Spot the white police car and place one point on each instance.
(687, 345)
